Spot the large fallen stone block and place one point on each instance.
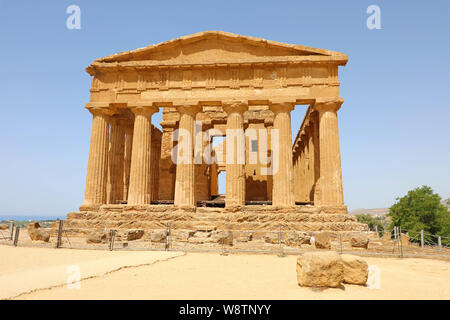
(405, 240)
(272, 238)
(359, 241)
(4, 226)
(322, 241)
(386, 236)
(223, 237)
(296, 238)
(158, 236)
(97, 237)
(36, 233)
(320, 269)
(355, 269)
(246, 237)
(134, 234)
(182, 235)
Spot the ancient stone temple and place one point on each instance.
(215, 84)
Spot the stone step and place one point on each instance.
(220, 225)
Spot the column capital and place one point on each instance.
(277, 107)
(328, 104)
(234, 106)
(145, 109)
(191, 109)
(97, 108)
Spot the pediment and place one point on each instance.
(217, 47)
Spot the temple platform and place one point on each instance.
(251, 217)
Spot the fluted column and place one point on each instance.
(185, 172)
(283, 179)
(127, 160)
(97, 170)
(330, 155)
(294, 168)
(310, 143)
(140, 191)
(116, 160)
(315, 125)
(235, 153)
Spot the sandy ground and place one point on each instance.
(24, 270)
(170, 275)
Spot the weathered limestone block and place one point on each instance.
(202, 234)
(4, 226)
(386, 236)
(36, 233)
(97, 237)
(134, 235)
(359, 241)
(322, 241)
(182, 235)
(272, 237)
(245, 237)
(296, 238)
(205, 228)
(223, 237)
(194, 240)
(320, 269)
(158, 236)
(355, 269)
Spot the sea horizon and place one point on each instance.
(29, 217)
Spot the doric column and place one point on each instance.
(167, 166)
(314, 116)
(268, 124)
(296, 163)
(283, 179)
(155, 159)
(305, 159)
(140, 191)
(127, 160)
(202, 169)
(213, 173)
(116, 160)
(330, 155)
(97, 170)
(185, 172)
(310, 142)
(235, 153)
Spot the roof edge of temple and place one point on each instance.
(340, 57)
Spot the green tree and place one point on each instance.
(421, 209)
(371, 221)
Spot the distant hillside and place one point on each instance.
(378, 212)
(446, 203)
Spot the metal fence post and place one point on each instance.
(401, 243)
(167, 236)
(60, 229)
(281, 254)
(439, 243)
(112, 234)
(11, 231)
(421, 239)
(16, 236)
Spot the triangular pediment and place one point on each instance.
(216, 47)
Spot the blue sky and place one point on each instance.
(394, 123)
